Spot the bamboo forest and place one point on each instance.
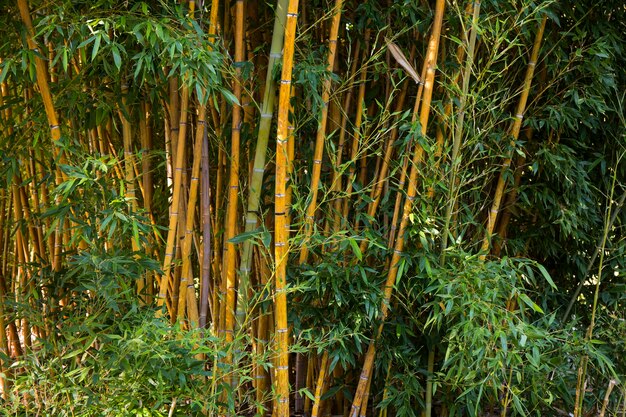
(322, 208)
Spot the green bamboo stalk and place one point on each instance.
(256, 180)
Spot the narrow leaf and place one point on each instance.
(401, 59)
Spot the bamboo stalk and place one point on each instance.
(187, 299)
(166, 279)
(358, 135)
(515, 129)
(281, 249)
(230, 255)
(319, 386)
(321, 133)
(256, 180)
(458, 133)
(431, 61)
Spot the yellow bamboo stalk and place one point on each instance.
(53, 121)
(431, 61)
(281, 250)
(377, 191)
(258, 169)
(515, 129)
(321, 383)
(187, 293)
(336, 180)
(230, 256)
(321, 133)
(455, 157)
(166, 279)
(357, 138)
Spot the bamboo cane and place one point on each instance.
(458, 133)
(321, 133)
(256, 180)
(319, 386)
(230, 255)
(515, 129)
(55, 128)
(358, 135)
(431, 60)
(186, 290)
(165, 280)
(281, 249)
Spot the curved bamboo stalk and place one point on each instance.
(281, 249)
(431, 62)
(515, 129)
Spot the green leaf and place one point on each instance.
(526, 299)
(230, 97)
(355, 248)
(546, 275)
(240, 238)
(117, 59)
(96, 47)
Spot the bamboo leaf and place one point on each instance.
(96, 47)
(546, 275)
(526, 299)
(355, 249)
(401, 59)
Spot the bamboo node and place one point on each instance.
(266, 115)
(285, 81)
(55, 127)
(282, 330)
(290, 14)
(532, 63)
(519, 116)
(282, 368)
(276, 55)
(259, 170)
